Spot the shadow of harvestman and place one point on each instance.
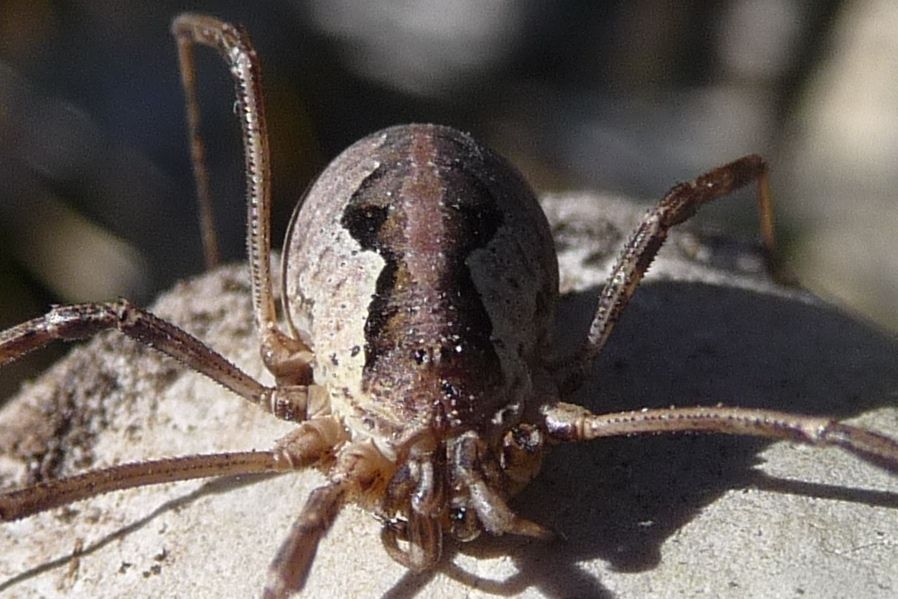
(416, 357)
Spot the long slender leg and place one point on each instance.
(312, 441)
(198, 154)
(678, 205)
(765, 214)
(27, 501)
(285, 356)
(67, 323)
(570, 423)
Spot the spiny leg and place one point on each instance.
(566, 422)
(79, 321)
(286, 357)
(678, 205)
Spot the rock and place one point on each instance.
(657, 516)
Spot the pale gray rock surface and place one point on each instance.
(662, 516)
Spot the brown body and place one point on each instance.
(424, 232)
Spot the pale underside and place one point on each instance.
(666, 516)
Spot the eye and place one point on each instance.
(464, 524)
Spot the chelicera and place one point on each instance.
(420, 284)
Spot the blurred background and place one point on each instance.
(629, 96)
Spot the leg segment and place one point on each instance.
(80, 321)
(313, 441)
(25, 502)
(198, 153)
(361, 471)
(570, 423)
(678, 205)
(286, 357)
(288, 572)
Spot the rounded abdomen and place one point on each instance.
(421, 271)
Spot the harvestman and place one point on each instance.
(414, 242)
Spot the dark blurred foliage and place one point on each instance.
(97, 194)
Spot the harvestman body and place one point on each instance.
(420, 289)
